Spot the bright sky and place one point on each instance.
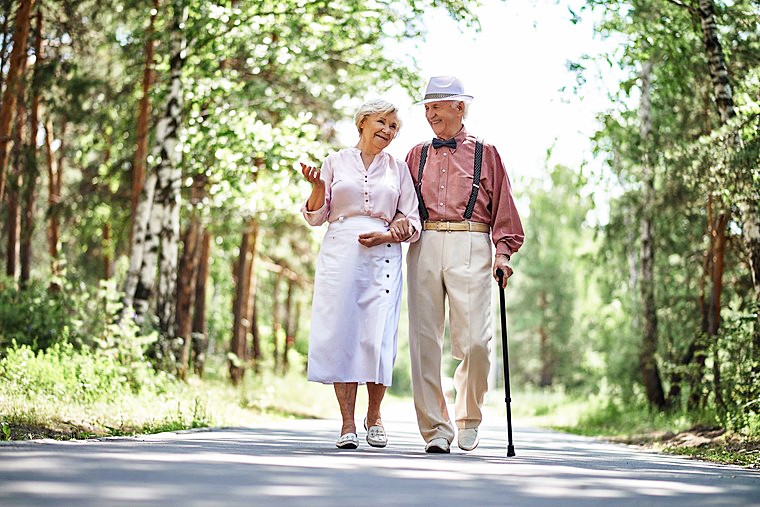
(515, 68)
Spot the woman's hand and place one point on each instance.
(370, 239)
(312, 174)
(401, 229)
(317, 197)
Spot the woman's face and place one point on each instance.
(379, 130)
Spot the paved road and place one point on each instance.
(296, 463)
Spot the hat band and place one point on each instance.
(439, 95)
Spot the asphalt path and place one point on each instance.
(295, 462)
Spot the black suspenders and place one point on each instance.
(475, 180)
(423, 158)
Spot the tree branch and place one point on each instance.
(678, 3)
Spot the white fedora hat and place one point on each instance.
(444, 88)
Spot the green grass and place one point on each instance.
(697, 435)
(69, 394)
(63, 393)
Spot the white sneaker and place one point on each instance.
(468, 439)
(438, 446)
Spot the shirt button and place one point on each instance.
(443, 171)
(387, 291)
(387, 276)
(387, 261)
(441, 204)
(389, 245)
(442, 186)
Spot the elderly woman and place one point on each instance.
(370, 203)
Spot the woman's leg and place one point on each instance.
(375, 393)
(346, 394)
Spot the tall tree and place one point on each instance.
(200, 327)
(33, 170)
(16, 180)
(648, 353)
(188, 275)
(13, 82)
(143, 113)
(155, 238)
(243, 301)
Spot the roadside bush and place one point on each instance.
(33, 316)
(81, 376)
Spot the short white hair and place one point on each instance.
(374, 106)
(465, 107)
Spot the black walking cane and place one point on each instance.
(505, 353)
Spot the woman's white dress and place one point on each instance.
(357, 290)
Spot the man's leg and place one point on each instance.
(426, 299)
(468, 283)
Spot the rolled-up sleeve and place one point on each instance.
(407, 203)
(319, 216)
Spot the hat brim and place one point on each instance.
(453, 98)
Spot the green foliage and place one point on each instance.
(549, 284)
(114, 367)
(608, 416)
(39, 316)
(740, 373)
(34, 316)
(693, 156)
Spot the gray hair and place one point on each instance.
(374, 106)
(465, 106)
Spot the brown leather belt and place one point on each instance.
(455, 226)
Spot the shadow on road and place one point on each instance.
(296, 463)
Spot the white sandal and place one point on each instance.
(376, 436)
(347, 441)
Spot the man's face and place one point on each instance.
(444, 117)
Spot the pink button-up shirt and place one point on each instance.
(447, 184)
(379, 191)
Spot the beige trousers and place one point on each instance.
(453, 266)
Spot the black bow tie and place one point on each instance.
(451, 143)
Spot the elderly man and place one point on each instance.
(464, 193)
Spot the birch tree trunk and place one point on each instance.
(138, 246)
(156, 226)
(13, 79)
(725, 103)
(750, 212)
(170, 180)
(648, 352)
